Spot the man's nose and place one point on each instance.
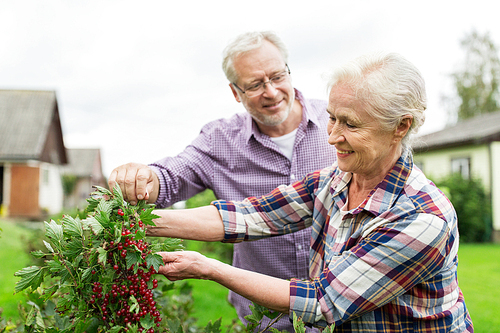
(269, 89)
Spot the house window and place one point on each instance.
(462, 166)
(45, 176)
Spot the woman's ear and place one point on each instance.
(403, 127)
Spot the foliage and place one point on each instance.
(95, 275)
(477, 81)
(97, 271)
(68, 183)
(472, 204)
(201, 199)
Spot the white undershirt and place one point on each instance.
(285, 143)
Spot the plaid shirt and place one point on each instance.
(234, 159)
(389, 265)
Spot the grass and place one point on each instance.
(478, 274)
(479, 279)
(210, 298)
(13, 257)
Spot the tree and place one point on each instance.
(477, 81)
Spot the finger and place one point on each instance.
(143, 178)
(119, 179)
(112, 179)
(129, 184)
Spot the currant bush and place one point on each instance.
(100, 271)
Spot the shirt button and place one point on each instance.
(292, 176)
(299, 247)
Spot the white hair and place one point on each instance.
(247, 42)
(390, 86)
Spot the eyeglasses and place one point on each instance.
(258, 88)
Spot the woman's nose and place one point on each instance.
(335, 135)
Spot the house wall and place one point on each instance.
(437, 164)
(51, 190)
(484, 161)
(24, 190)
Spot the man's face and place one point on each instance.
(273, 106)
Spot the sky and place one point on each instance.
(139, 79)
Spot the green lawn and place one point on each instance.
(479, 279)
(13, 257)
(478, 274)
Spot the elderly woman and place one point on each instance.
(383, 255)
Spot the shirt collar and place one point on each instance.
(251, 128)
(382, 197)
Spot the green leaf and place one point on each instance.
(30, 277)
(298, 324)
(132, 258)
(147, 217)
(213, 328)
(256, 315)
(37, 254)
(116, 329)
(73, 248)
(140, 234)
(101, 190)
(147, 322)
(72, 227)
(48, 292)
(117, 192)
(30, 318)
(329, 329)
(64, 303)
(54, 231)
(103, 255)
(154, 260)
(55, 266)
(93, 225)
(174, 325)
(103, 218)
(134, 305)
(48, 246)
(86, 273)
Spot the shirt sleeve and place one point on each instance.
(285, 210)
(186, 174)
(386, 263)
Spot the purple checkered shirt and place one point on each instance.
(232, 158)
(389, 265)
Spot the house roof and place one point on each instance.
(481, 129)
(30, 126)
(82, 161)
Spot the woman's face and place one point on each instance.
(363, 147)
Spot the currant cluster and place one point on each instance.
(128, 297)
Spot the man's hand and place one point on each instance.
(137, 182)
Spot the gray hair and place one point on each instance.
(390, 86)
(247, 42)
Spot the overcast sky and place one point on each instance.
(138, 79)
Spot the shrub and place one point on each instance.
(472, 204)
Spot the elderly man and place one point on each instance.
(280, 138)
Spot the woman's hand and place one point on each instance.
(267, 291)
(184, 265)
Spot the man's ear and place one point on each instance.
(235, 93)
(403, 127)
